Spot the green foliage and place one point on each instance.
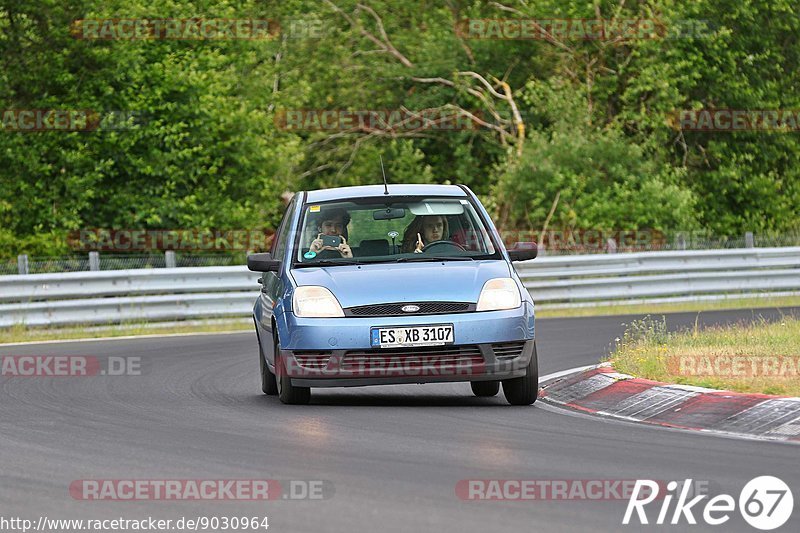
(602, 178)
(206, 150)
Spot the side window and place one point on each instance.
(279, 244)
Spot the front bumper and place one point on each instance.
(355, 368)
(337, 352)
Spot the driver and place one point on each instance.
(332, 222)
(424, 230)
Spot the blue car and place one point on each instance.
(392, 284)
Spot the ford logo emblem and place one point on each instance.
(410, 308)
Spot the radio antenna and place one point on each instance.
(385, 183)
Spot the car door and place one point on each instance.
(272, 286)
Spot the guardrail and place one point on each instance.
(208, 292)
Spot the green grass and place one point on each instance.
(648, 350)
(23, 333)
(659, 308)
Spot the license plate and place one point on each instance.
(395, 337)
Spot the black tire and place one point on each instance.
(524, 390)
(288, 393)
(269, 384)
(485, 388)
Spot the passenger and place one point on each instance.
(332, 222)
(422, 231)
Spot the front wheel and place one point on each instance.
(288, 393)
(485, 389)
(269, 385)
(524, 390)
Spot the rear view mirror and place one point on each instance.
(263, 262)
(389, 213)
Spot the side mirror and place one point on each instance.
(263, 262)
(523, 254)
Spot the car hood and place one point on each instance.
(451, 281)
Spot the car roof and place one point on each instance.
(366, 191)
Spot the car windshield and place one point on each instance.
(373, 230)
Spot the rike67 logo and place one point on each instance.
(765, 503)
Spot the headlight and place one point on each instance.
(499, 293)
(316, 302)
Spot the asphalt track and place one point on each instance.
(393, 455)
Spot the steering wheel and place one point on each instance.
(440, 243)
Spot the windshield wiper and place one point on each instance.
(434, 258)
(328, 262)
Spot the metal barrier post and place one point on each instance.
(22, 264)
(169, 259)
(94, 260)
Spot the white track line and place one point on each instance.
(563, 373)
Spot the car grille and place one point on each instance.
(410, 358)
(313, 360)
(508, 350)
(425, 308)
